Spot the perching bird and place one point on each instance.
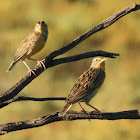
(87, 85)
(31, 45)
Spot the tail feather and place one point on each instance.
(11, 66)
(65, 109)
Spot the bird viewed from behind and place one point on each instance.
(31, 45)
(87, 85)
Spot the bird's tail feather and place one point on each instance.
(65, 109)
(11, 66)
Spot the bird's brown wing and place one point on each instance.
(24, 47)
(83, 84)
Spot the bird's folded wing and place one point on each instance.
(23, 47)
(83, 86)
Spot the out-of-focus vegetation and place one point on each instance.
(66, 20)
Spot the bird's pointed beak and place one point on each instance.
(104, 59)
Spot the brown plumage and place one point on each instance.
(87, 85)
(31, 45)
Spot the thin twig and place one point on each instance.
(24, 98)
(91, 54)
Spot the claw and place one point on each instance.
(31, 72)
(40, 64)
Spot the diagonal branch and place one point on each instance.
(106, 23)
(69, 116)
(49, 62)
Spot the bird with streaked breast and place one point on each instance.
(32, 44)
(87, 85)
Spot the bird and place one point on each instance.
(31, 45)
(87, 85)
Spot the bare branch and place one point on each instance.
(49, 62)
(55, 62)
(23, 98)
(106, 23)
(69, 116)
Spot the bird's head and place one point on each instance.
(99, 62)
(41, 27)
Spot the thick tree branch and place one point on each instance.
(49, 62)
(69, 116)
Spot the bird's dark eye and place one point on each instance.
(42, 22)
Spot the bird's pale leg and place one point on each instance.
(40, 63)
(81, 107)
(93, 107)
(30, 71)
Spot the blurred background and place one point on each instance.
(68, 19)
